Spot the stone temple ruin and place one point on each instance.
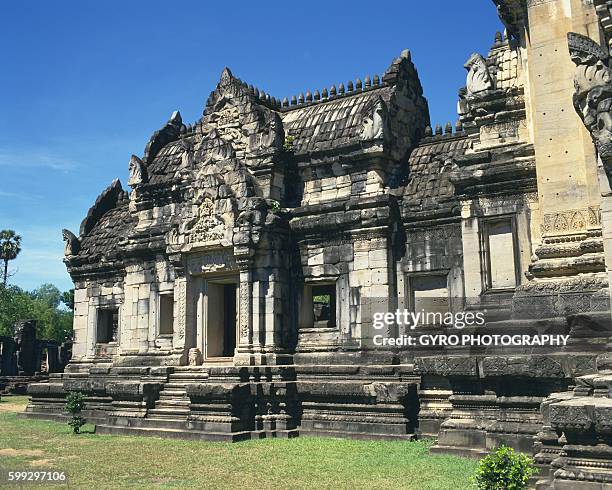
(229, 293)
(25, 359)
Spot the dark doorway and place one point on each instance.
(229, 319)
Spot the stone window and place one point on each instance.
(166, 314)
(107, 326)
(500, 250)
(319, 306)
(429, 293)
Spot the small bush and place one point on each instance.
(504, 469)
(76, 423)
(75, 402)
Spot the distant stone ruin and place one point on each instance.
(25, 359)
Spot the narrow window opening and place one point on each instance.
(429, 294)
(107, 325)
(501, 254)
(166, 314)
(324, 305)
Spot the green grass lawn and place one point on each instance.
(98, 461)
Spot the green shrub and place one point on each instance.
(504, 469)
(75, 402)
(76, 423)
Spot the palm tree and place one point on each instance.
(10, 246)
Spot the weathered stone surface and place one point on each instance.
(230, 294)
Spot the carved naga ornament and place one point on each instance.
(374, 124)
(72, 245)
(478, 78)
(593, 92)
(137, 170)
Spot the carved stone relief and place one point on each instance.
(593, 92)
(374, 124)
(479, 78)
(208, 227)
(571, 221)
(137, 171)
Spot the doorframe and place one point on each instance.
(202, 313)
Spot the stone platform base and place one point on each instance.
(18, 385)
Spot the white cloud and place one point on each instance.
(36, 158)
(17, 195)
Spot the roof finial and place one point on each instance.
(301, 98)
(376, 80)
(324, 94)
(293, 100)
(367, 82)
(448, 129)
(308, 96)
(285, 102)
(428, 131)
(341, 89)
(317, 96)
(358, 85)
(458, 126)
(438, 130)
(332, 91)
(349, 86)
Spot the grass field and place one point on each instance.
(98, 461)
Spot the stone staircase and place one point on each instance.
(172, 408)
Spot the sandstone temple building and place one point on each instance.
(227, 292)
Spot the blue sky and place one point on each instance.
(85, 83)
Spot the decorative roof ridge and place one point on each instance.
(358, 87)
(432, 136)
(107, 200)
(262, 97)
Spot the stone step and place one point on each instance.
(170, 412)
(188, 376)
(184, 380)
(174, 389)
(173, 396)
(190, 369)
(175, 386)
(172, 403)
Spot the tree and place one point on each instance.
(68, 299)
(10, 246)
(48, 294)
(52, 321)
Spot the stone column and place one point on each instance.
(244, 351)
(565, 156)
(472, 252)
(180, 313)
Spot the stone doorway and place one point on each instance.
(220, 318)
